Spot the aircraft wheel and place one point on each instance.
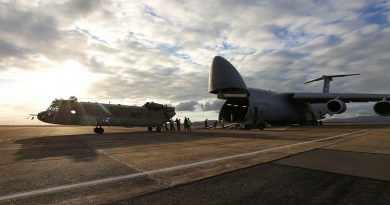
(261, 127)
(98, 130)
(158, 129)
(150, 129)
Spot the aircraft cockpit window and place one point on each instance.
(53, 108)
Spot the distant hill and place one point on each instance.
(361, 119)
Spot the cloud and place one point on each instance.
(82, 7)
(8, 49)
(186, 106)
(213, 106)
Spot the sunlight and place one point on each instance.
(42, 86)
(69, 79)
(33, 90)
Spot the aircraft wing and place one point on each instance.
(346, 97)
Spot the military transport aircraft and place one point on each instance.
(72, 112)
(253, 108)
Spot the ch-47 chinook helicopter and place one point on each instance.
(71, 112)
(253, 108)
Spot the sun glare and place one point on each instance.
(69, 79)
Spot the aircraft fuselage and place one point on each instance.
(262, 106)
(71, 112)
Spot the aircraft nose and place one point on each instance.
(41, 115)
(223, 76)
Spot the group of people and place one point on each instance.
(221, 123)
(187, 125)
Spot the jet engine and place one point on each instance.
(382, 108)
(336, 106)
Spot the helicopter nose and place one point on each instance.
(41, 115)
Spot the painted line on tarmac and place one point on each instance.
(156, 171)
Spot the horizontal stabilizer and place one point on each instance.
(330, 77)
(327, 79)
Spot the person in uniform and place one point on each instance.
(171, 125)
(178, 124)
(189, 125)
(185, 123)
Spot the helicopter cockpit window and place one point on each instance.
(52, 109)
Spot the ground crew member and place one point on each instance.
(171, 125)
(206, 124)
(189, 125)
(178, 124)
(185, 123)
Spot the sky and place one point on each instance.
(134, 51)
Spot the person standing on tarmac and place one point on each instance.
(206, 124)
(178, 124)
(171, 125)
(189, 125)
(185, 124)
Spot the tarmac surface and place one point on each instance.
(331, 164)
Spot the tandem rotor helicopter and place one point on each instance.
(72, 112)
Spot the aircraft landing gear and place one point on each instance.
(98, 130)
(158, 129)
(261, 126)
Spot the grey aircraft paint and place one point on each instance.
(253, 108)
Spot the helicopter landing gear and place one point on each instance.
(158, 129)
(98, 130)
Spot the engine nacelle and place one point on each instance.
(382, 108)
(336, 106)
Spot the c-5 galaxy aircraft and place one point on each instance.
(253, 108)
(72, 112)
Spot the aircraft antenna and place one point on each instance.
(327, 79)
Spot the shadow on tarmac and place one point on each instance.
(85, 147)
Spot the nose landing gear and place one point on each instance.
(98, 130)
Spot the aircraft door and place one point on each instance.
(234, 110)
